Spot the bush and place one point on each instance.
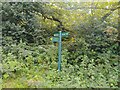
(39, 66)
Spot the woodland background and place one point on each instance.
(89, 55)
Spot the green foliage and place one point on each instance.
(30, 60)
(40, 70)
(19, 23)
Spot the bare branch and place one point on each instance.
(93, 7)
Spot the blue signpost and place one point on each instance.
(58, 38)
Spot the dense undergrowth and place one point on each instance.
(27, 66)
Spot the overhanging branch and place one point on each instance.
(92, 7)
(60, 26)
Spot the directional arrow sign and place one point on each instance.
(55, 39)
(64, 34)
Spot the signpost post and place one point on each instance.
(58, 38)
(59, 51)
